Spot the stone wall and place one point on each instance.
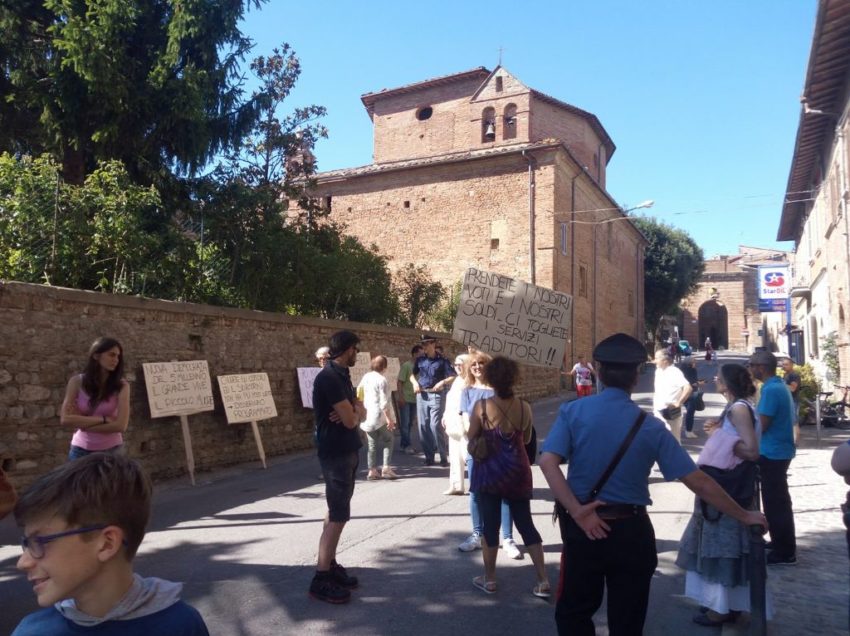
(46, 332)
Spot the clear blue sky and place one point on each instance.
(701, 98)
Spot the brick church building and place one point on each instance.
(477, 169)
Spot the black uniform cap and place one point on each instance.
(620, 349)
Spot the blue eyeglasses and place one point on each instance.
(35, 544)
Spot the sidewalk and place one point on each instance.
(244, 542)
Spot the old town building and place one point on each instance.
(725, 304)
(815, 212)
(477, 169)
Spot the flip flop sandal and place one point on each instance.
(542, 590)
(488, 587)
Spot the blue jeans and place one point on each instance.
(429, 411)
(78, 451)
(406, 416)
(689, 414)
(475, 511)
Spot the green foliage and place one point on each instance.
(418, 294)
(673, 264)
(123, 102)
(155, 84)
(829, 356)
(809, 388)
(444, 317)
(98, 235)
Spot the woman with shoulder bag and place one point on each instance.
(714, 548)
(477, 389)
(503, 424)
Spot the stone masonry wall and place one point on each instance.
(46, 332)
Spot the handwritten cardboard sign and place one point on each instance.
(247, 397)
(178, 388)
(509, 317)
(306, 380)
(360, 368)
(392, 371)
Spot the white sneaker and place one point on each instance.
(511, 549)
(690, 435)
(473, 542)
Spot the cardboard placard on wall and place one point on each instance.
(392, 371)
(361, 367)
(178, 388)
(306, 379)
(505, 316)
(247, 397)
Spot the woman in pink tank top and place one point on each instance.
(97, 401)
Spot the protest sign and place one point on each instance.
(178, 388)
(392, 371)
(509, 317)
(306, 379)
(247, 397)
(361, 367)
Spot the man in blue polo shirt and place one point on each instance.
(432, 376)
(776, 413)
(338, 414)
(608, 538)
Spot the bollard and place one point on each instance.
(758, 578)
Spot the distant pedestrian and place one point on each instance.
(793, 381)
(504, 424)
(432, 376)
(97, 401)
(714, 548)
(338, 414)
(709, 350)
(582, 372)
(608, 536)
(671, 391)
(776, 412)
(453, 423)
(407, 401)
(688, 367)
(379, 423)
(322, 356)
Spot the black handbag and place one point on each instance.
(740, 483)
(699, 402)
(671, 412)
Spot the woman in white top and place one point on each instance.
(454, 425)
(379, 422)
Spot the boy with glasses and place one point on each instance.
(83, 523)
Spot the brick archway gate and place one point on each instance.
(713, 322)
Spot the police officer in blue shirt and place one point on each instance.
(432, 376)
(609, 540)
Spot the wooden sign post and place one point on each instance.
(248, 397)
(182, 389)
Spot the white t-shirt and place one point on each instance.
(583, 372)
(376, 396)
(668, 384)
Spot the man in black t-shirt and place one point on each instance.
(338, 414)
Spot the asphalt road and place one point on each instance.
(244, 543)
